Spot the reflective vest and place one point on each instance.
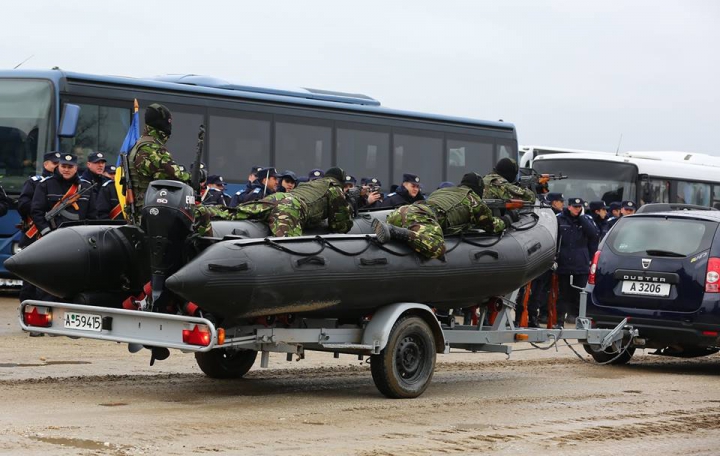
(447, 203)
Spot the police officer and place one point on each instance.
(64, 185)
(288, 181)
(264, 185)
(614, 209)
(50, 163)
(576, 234)
(94, 173)
(499, 183)
(149, 159)
(107, 204)
(447, 211)
(315, 174)
(349, 183)
(240, 195)
(110, 171)
(627, 207)
(408, 193)
(215, 194)
(557, 202)
(371, 195)
(288, 214)
(598, 212)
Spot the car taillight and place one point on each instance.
(593, 268)
(196, 335)
(37, 316)
(712, 276)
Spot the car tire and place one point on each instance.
(604, 357)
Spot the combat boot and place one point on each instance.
(385, 232)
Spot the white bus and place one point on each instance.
(644, 177)
(528, 153)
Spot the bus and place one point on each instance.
(644, 177)
(529, 153)
(294, 129)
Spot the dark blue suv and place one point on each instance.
(662, 271)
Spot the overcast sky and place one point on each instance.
(566, 73)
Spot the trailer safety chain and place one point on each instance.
(620, 353)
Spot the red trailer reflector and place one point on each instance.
(196, 335)
(37, 316)
(710, 333)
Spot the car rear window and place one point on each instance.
(681, 236)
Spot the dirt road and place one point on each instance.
(63, 396)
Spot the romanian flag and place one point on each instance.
(131, 138)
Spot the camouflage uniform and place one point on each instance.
(448, 211)
(306, 206)
(149, 160)
(497, 187)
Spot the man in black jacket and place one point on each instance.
(408, 193)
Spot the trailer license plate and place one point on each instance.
(646, 288)
(83, 322)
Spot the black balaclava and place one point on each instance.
(337, 173)
(507, 168)
(474, 182)
(159, 117)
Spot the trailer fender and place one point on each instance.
(378, 329)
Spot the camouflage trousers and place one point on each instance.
(205, 214)
(282, 213)
(426, 235)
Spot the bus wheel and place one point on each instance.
(604, 357)
(224, 363)
(404, 368)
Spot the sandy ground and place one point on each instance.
(63, 397)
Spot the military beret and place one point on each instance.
(577, 202)
(550, 197)
(96, 157)
(68, 159)
(52, 156)
(215, 179)
(407, 177)
(597, 205)
(629, 205)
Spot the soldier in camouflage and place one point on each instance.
(288, 214)
(452, 210)
(149, 159)
(498, 183)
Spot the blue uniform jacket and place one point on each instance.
(401, 197)
(215, 197)
(602, 228)
(576, 236)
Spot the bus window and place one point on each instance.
(300, 147)
(364, 152)
(237, 144)
(656, 191)
(693, 193)
(506, 150)
(465, 156)
(421, 155)
(24, 129)
(100, 129)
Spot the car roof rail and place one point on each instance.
(668, 207)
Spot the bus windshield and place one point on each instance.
(24, 129)
(592, 180)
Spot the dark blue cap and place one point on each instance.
(407, 177)
(615, 205)
(350, 179)
(96, 157)
(597, 205)
(264, 173)
(550, 197)
(52, 156)
(577, 202)
(370, 181)
(287, 174)
(215, 179)
(68, 159)
(112, 169)
(445, 184)
(255, 169)
(627, 204)
(302, 179)
(316, 174)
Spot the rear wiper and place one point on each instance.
(665, 253)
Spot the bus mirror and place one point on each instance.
(69, 120)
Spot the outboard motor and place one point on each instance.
(167, 220)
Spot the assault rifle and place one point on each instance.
(195, 177)
(537, 182)
(126, 183)
(512, 204)
(60, 206)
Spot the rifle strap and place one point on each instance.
(32, 230)
(117, 210)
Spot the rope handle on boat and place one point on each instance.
(228, 268)
(320, 261)
(482, 253)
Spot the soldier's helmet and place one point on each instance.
(159, 117)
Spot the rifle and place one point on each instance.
(52, 213)
(531, 179)
(511, 204)
(129, 192)
(195, 177)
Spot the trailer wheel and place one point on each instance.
(223, 363)
(404, 368)
(601, 356)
